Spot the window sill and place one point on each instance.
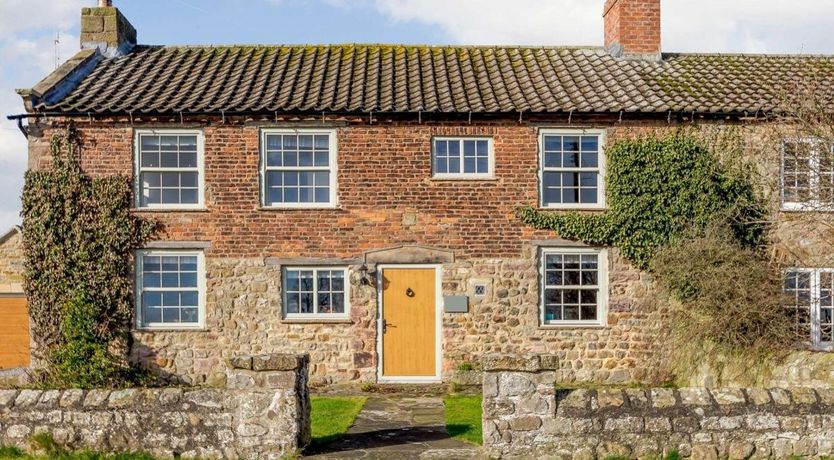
(316, 321)
(567, 209)
(465, 179)
(168, 210)
(806, 209)
(151, 330)
(300, 208)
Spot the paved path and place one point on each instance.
(396, 427)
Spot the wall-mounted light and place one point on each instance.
(368, 276)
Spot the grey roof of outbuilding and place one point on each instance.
(450, 79)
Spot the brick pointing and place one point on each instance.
(384, 173)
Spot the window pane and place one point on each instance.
(469, 148)
(590, 144)
(571, 312)
(338, 303)
(152, 299)
(553, 143)
(306, 304)
(590, 160)
(292, 302)
(150, 159)
(469, 165)
(149, 143)
(588, 312)
(482, 166)
(152, 315)
(570, 144)
(273, 142)
(441, 166)
(588, 195)
(570, 159)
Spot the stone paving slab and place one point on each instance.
(397, 427)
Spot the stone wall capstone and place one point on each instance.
(525, 415)
(264, 415)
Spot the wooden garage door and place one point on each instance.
(14, 333)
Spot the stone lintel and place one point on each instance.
(178, 245)
(410, 254)
(520, 363)
(269, 362)
(311, 261)
(559, 242)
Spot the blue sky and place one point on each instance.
(256, 21)
(27, 48)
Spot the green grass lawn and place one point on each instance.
(463, 417)
(333, 416)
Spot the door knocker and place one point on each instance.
(409, 292)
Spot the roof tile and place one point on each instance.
(396, 78)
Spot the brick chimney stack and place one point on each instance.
(632, 28)
(106, 29)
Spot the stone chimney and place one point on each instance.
(632, 28)
(104, 28)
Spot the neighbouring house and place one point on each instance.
(14, 318)
(356, 202)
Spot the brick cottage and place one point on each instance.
(356, 202)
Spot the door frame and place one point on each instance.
(438, 271)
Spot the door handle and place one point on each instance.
(385, 326)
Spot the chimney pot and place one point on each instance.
(105, 3)
(632, 28)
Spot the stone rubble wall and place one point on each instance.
(527, 416)
(11, 263)
(265, 415)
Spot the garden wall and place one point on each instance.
(527, 416)
(265, 413)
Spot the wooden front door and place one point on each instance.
(14, 333)
(409, 322)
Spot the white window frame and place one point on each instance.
(138, 169)
(315, 316)
(816, 306)
(332, 167)
(490, 174)
(201, 290)
(602, 287)
(601, 168)
(813, 180)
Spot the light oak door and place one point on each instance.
(14, 333)
(409, 322)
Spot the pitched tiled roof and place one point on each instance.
(392, 78)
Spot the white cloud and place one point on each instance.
(26, 15)
(27, 51)
(774, 26)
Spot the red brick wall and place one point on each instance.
(383, 173)
(634, 24)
